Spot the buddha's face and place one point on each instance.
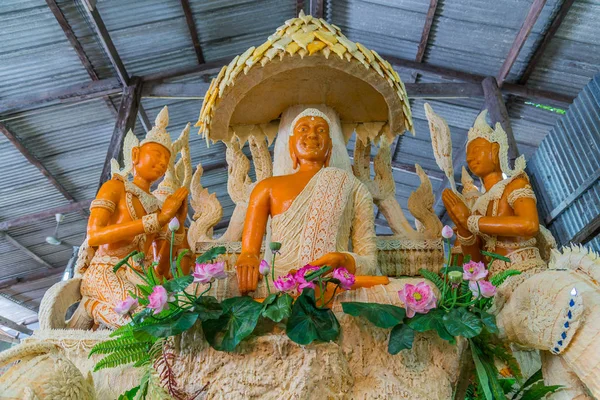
(311, 140)
(482, 157)
(151, 161)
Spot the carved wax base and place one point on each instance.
(273, 367)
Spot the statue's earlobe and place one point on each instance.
(135, 155)
(496, 154)
(329, 153)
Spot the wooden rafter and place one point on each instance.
(588, 232)
(130, 102)
(316, 8)
(35, 162)
(189, 19)
(522, 35)
(25, 250)
(14, 326)
(101, 31)
(68, 31)
(19, 302)
(29, 276)
(299, 6)
(539, 51)
(433, 4)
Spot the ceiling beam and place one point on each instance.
(208, 67)
(522, 35)
(299, 6)
(189, 19)
(68, 31)
(433, 4)
(30, 276)
(574, 195)
(443, 90)
(25, 250)
(316, 8)
(30, 218)
(14, 326)
(539, 51)
(19, 302)
(69, 94)
(588, 232)
(101, 31)
(130, 103)
(35, 162)
(175, 90)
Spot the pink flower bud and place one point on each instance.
(206, 273)
(346, 278)
(126, 306)
(447, 232)
(485, 288)
(264, 268)
(174, 224)
(299, 277)
(417, 298)
(158, 299)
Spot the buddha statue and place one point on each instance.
(126, 216)
(555, 310)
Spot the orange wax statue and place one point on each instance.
(311, 211)
(504, 219)
(125, 217)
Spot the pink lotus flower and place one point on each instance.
(299, 277)
(474, 271)
(486, 288)
(126, 306)
(447, 232)
(206, 273)
(285, 283)
(158, 299)
(346, 278)
(264, 268)
(417, 298)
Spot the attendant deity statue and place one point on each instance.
(504, 219)
(125, 217)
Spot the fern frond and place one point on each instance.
(499, 279)
(122, 343)
(120, 358)
(433, 277)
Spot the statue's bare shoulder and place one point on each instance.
(111, 190)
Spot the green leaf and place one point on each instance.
(207, 307)
(130, 394)
(308, 322)
(460, 322)
(539, 391)
(240, 315)
(311, 276)
(171, 327)
(269, 300)
(211, 254)
(488, 320)
(401, 338)
(178, 284)
(381, 315)
(481, 373)
(124, 260)
(495, 256)
(280, 309)
(431, 321)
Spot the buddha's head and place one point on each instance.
(310, 140)
(150, 161)
(483, 157)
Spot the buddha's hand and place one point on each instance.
(336, 260)
(456, 208)
(172, 204)
(247, 272)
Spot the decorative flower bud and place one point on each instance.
(264, 268)
(174, 224)
(275, 246)
(126, 306)
(447, 232)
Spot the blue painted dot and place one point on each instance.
(556, 349)
(571, 303)
(564, 335)
(560, 342)
(569, 315)
(567, 324)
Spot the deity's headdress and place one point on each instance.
(481, 129)
(177, 175)
(309, 112)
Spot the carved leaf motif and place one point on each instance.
(441, 141)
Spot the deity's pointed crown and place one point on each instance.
(481, 129)
(309, 112)
(158, 133)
